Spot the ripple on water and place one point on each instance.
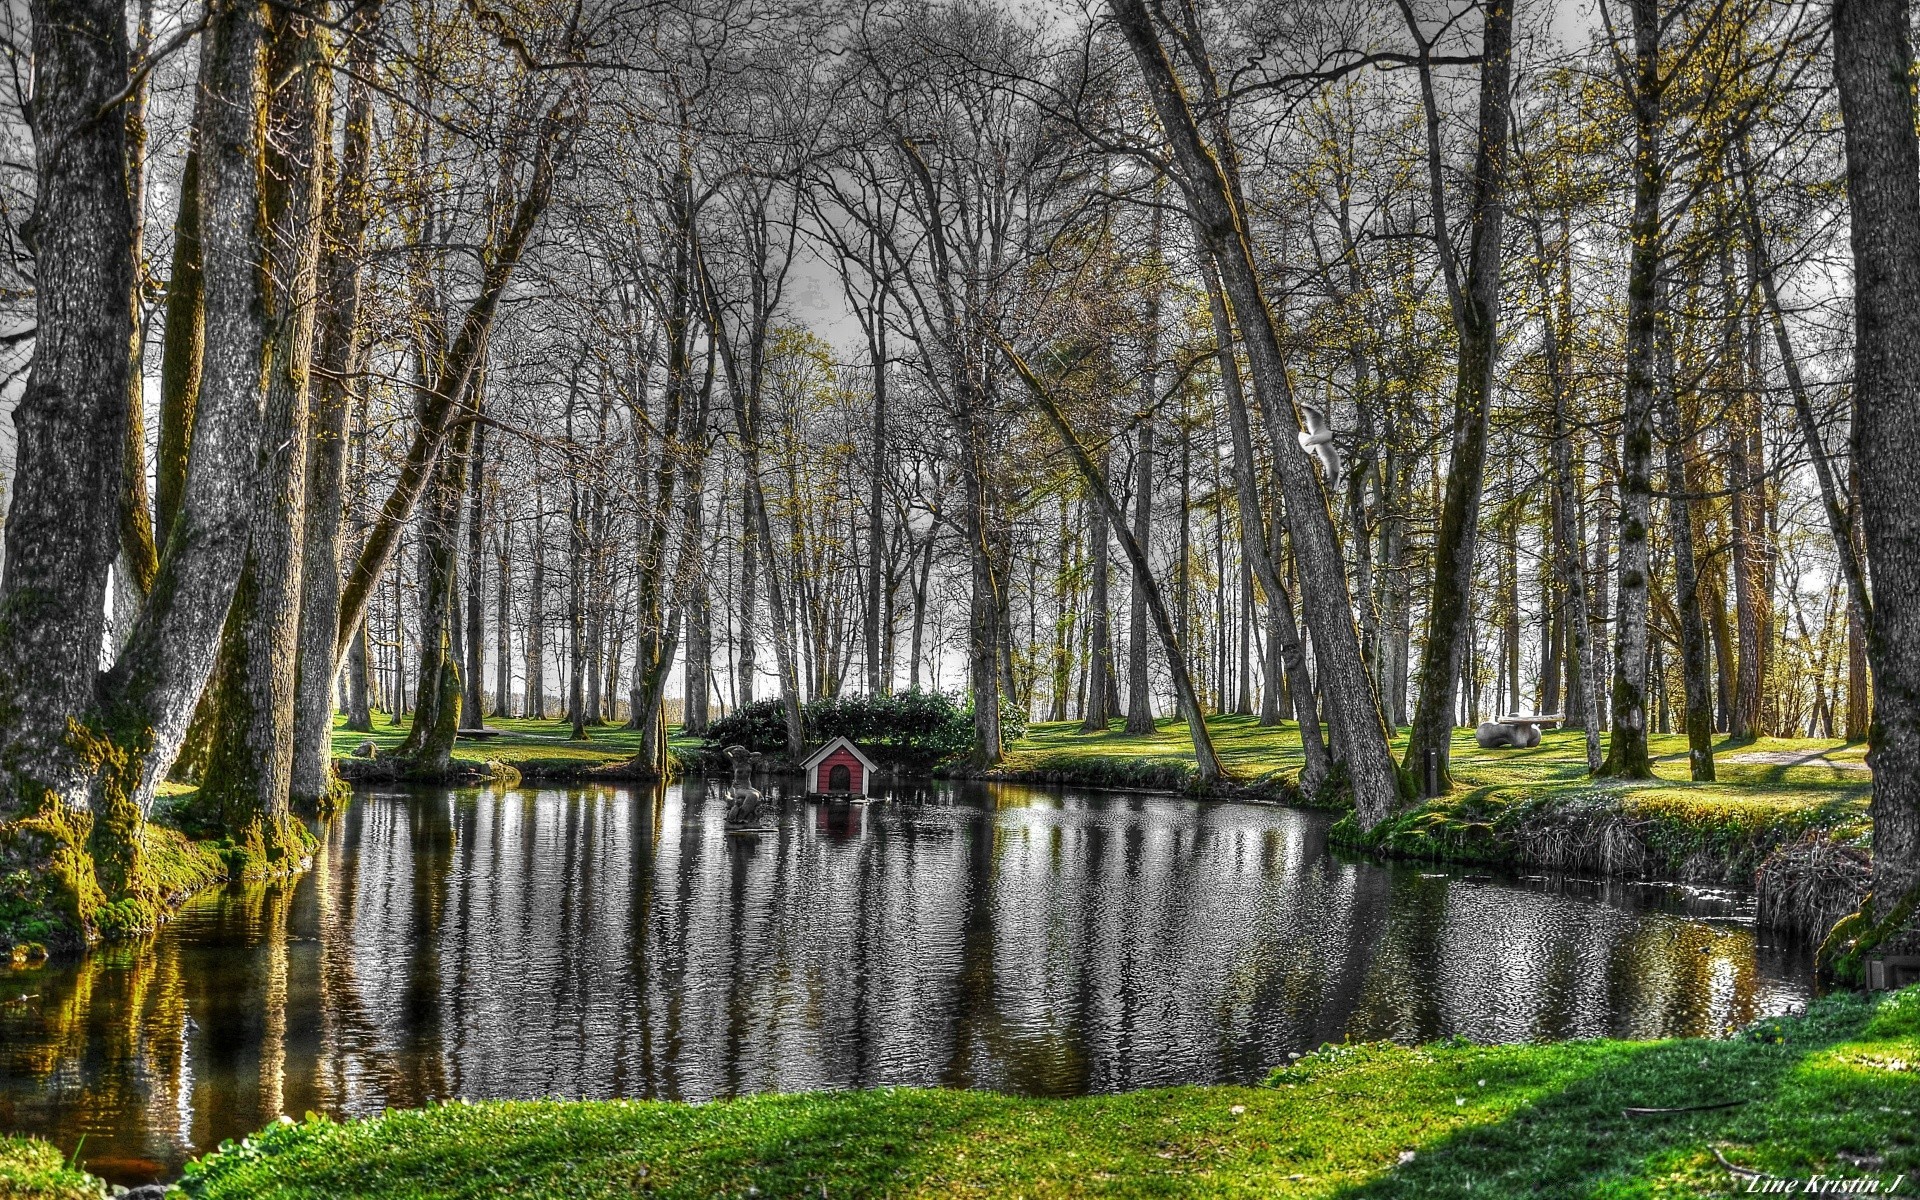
(611, 942)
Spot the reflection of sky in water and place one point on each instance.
(607, 943)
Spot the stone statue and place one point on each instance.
(1521, 735)
(743, 799)
(1317, 442)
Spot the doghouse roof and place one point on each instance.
(825, 752)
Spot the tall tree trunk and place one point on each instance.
(359, 711)
(1873, 65)
(749, 614)
(1695, 664)
(1139, 682)
(1099, 714)
(536, 697)
(472, 702)
(1255, 548)
(878, 683)
(1569, 555)
(250, 766)
(180, 354)
(1627, 749)
(436, 711)
(1476, 319)
(1859, 706)
(71, 420)
(1211, 194)
(139, 555)
(158, 680)
(337, 364)
(503, 616)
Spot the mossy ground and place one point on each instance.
(1784, 789)
(1835, 1092)
(522, 744)
(31, 1169)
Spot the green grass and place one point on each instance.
(1520, 805)
(1824, 1093)
(522, 742)
(31, 1169)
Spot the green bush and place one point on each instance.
(911, 732)
(31, 1169)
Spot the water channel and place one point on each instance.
(601, 942)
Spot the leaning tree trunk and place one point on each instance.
(250, 765)
(451, 388)
(1354, 710)
(1476, 320)
(1627, 748)
(1873, 64)
(1254, 546)
(436, 714)
(1207, 768)
(71, 423)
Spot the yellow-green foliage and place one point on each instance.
(31, 1169)
(1798, 1096)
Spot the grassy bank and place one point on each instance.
(1835, 1092)
(537, 750)
(33, 1170)
(1534, 807)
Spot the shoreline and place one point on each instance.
(1830, 1091)
(1787, 825)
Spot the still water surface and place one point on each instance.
(617, 942)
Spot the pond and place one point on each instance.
(600, 942)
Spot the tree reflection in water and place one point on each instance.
(617, 942)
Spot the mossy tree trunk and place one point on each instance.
(436, 717)
(250, 764)
(138, 557)
(1873, 65)
(1695, 664)
(338, 359)
(180, 354)
(1475, 305)
(210, 432)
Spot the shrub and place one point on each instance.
(911, 732)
